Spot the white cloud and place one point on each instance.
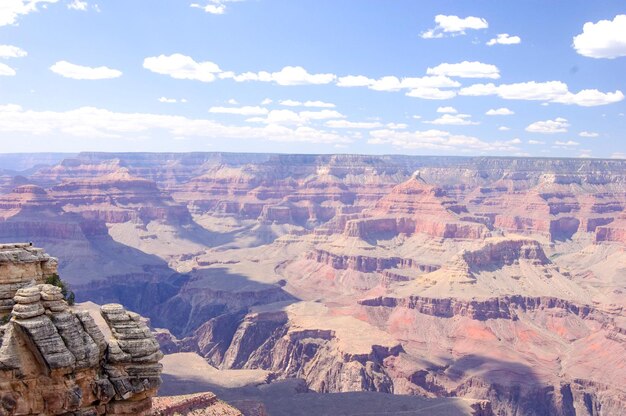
(536, 142)
(6, 70)
(211, 8)
(453, 120)
(604, 39)
(345, 124)
(466, 69)
(78, 5)
(567, 143)
(437, 140)
(267, 101)
(503, 111)
(416, 117)
(168, 100)
(590, 98)
(10, 10)
(588, 134)
(393, 83)
(232, 101)
(294, 118)
(318, 104)
(552, 91)
(558, 125)
(70, 70)
(180, 66)
(94, 123)
(504, 128)
(244, 111)
(431, 93)
(214, 6)
(321, 115)
(397, 126)
(504, 39)
(450, 110)
(289, 75)
(454, 25)
(10, 51)
(354, 81)
(618, 155)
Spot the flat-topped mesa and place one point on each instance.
(22, 265)
(56, 361)
(505, 251)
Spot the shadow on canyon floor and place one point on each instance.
(290, 398)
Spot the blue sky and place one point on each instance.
(505, 78)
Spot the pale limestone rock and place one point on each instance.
(54, 360)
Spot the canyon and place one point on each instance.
(484, 286)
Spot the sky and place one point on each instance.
(441, 77)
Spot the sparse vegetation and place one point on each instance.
(68, 295)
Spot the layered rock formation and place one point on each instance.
(22, 265)
(57, 361)
(499, 280)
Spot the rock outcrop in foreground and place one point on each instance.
(21, 265)
(57, 361)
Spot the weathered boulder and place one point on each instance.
(56, 361)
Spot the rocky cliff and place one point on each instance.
(55, 360)
(21, 265)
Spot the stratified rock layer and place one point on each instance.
(56, 361)
(21, 265)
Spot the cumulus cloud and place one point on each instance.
(244, 111)
(294, 118)
(289, 75)
(535, 142)
(10, 51)
(504, 39)
(180, 66)
(431, 93)
(11, 10)
(466, 69)
(437, 140)
(588, 134)
(78, 5)
(552, 91)
(345, 124)
(454, 25)
(6, 70)
(214, 6)
(168, 100)
(503, 111)
(396, 126)
(70, 70)
(558, 125)
(603, 39)
(453, 120)
(450, 110)
(393, 83)
(94, 123)
(504, 128)
(567, 143)
(318, 104)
